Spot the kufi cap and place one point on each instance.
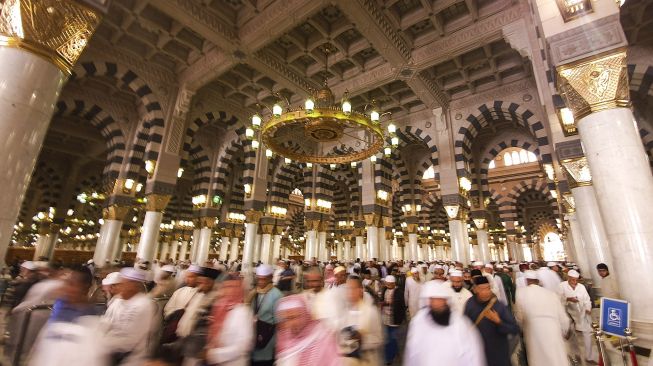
(29, 265)
(437, 266)
(476, 272)
(499, 265)
(339, 269)
(111, 279)
(289, 303)
(573, 274)
(455, 273)
(194, 268)
(480, 280)
(168, 268)
(436, 290)
(530, 275)
(264, 270)
(489, 266)
(551, 264)
(209, 272)
(41, 264)
(89, 261)
(390, 279)
(133, 274)
(414, 270)
(379, 263)
(477, 263)
(423, 265)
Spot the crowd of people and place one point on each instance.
(307, 313)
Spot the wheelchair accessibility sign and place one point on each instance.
(615, 316)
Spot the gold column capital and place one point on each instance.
(267, 229)
(115, 212)
(229, 233)
(373, 219)
(56, 30)
(577, 171)
(157, 202)
(411, 228)
(389, 234)
(207, 222)
(313, 225)
(253, 216)
(358, 231)
(278, 230)
(238, 232)
(595, 84)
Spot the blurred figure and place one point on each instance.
(548, 278)
(544, 323)
(165, 282)
(181, 297)
(303, 340)
(360, 335)
(458, 342)
(579, 306)
(316, 297)
(110, 286)
(286, 277)
(495, 322)
(230, 340)
(263, 300)
(27, 277)
(393, 310)
(130, 319)
(72, 327)
(411, 293)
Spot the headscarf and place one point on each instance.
(315, 344)
(222, 307)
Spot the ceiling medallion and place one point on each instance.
(323, 131)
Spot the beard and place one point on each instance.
(457, 289)
(468, 282)
(441, 317)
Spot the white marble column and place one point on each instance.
(29, 88)
(323, 252)
(251, 229)
(483, 245)
(174, 249)
(233, 253)
(183, 250)
(347, 250)
(593, 231)
(194, 243)
(224, 248)
(359, 246)
(276, 248)
(439, 252)
(339, 251)
(257, 248)
(147, 245)
(266, 248)
(382, 244)
(203, 244)
(411, 253)
(107, 241)
(165, 249)
(372, 242)
(310, 251)
(459, 245)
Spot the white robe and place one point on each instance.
(582, 320)
(548, 279)
(179, 300)
(187, 321)
(235, 341)
(428, 343)
(366, 319)
(411, 295)
(69, 344)
(130, 323)
(459, 299)
(544, 323)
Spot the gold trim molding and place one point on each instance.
(157, 202)
(56, 30)
(595, 84)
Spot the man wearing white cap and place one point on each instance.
(460, 294)
(549, 279)
(543, 321)
(411, 291)
(458, 341)
(263, 301)
(182, 296)
(129, 320)
(165, 282)
(579, 306)
(393, 312)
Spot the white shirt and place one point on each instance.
(366, 319)
(577, 310)
(428, 343)
(130, 322)
(187, 321)
(179, 300)
(411, 295)
(459, 299)
(236, 340)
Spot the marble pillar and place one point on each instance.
(276, 248)
(224, 248)
(412, 247)
(439, 252)
(147, 245)
(347, 250)
(459, 244)
(174, 249)
(311, 245)
(483, 245)
(252, 221)
(233, 253)
(322, 250)
(165, 250)
(372, 242)
(194, 243)
(578, 242)
(593, 231)
(382, 255)
(183, 250)
(203, 245)
(266, 248)
(359, 247)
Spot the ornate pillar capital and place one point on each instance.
(595, 84)
(253, 216)
(312, 225)
(157, 202)
(57, 31)
(373, 219)
(115, 212)
(411, 228)
(267, 229)
(207, 222)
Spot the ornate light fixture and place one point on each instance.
(323, 131)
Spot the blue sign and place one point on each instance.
(615, 316)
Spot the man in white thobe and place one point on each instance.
(543, 321)
(548, 279)
(438, 335)
(180, 299)
(579, 306)
(460, 293)
(411, 291)
(130, 320)
(495, 283)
